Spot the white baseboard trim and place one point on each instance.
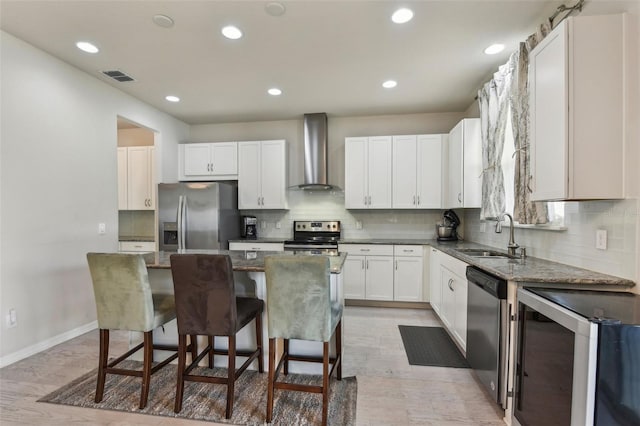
(46, 344)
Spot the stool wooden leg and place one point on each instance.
(182, 360)
(272, 368)
(102, 363)
(193, 339)
(211, 342)
(325, 382)
(259, 342)
(146, 368)
(339, 349)
(285, 368)
(231, 376)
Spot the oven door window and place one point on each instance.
(544, 371)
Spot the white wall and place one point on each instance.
(58, 181)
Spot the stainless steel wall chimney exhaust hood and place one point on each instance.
(315, 153)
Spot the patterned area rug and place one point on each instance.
(207, 401)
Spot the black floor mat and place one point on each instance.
(431, 346)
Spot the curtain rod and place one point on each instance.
(562, 8)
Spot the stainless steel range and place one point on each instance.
(315, 237)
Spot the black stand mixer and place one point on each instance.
(448, 230)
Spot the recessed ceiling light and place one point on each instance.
(402, 16)
(274, 91)
(163, 21)
(494, 48)
(274, 8)
(85, 46)
(172, 98)
(389, 84)
(231, 32)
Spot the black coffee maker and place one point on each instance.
(249, 227)
(448, 230)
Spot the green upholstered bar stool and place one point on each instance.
(299, 307)
(207, 305)
(124, 301)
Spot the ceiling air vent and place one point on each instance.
(118, 75)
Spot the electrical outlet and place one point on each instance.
(12, 318)
(601, 239)
(358, 224)
(102, 228)
(278, 225)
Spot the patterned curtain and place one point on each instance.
(494, 104)
(524, 211)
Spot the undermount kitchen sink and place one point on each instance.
(484, 253)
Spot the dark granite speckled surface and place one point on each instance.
(247, 261)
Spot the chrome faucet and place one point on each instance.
(512, 246)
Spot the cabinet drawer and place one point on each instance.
(143, 246)
(454, 265)
(367, 249)
(408, 251)
(256, 246)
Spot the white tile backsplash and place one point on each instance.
(576, 245)
(329, 205)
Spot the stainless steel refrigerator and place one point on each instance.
(197, 215)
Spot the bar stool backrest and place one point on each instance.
(298, 297)
(205, 294)
(122, 292)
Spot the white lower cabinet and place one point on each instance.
(407, 273)
(255, 246)
(450, 298)
(435, 287)
(383, 272)
(368, 271)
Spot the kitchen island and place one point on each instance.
(250, 279)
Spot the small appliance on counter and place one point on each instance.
(249, 227)
(447, 231)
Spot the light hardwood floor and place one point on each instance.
(390, 391)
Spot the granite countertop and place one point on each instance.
(247, 261)
(260, 240)
(529, 270)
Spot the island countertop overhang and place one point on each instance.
(245, 261)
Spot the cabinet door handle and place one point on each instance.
(396, 265)
(407, 251)
(367, 263)
(459, 197)
(262, 200)
(418, 200)
(362, 263)
(369, 199)
(449, 284)
(365, 250)
(414, 200)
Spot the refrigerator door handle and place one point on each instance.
(183, 222)
(179, 223)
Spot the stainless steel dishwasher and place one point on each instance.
(487, 321)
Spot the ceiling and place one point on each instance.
(326, 56)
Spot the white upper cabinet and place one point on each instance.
(122, 178)
(417, 171)
(464, 180)
(368, 177)
(140, 177)
(577, 82)
(208, 161)
(262, 175)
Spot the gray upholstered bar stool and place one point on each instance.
(206, 305)
(124, 301)
(299, 307)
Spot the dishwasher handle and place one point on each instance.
(493, 285)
